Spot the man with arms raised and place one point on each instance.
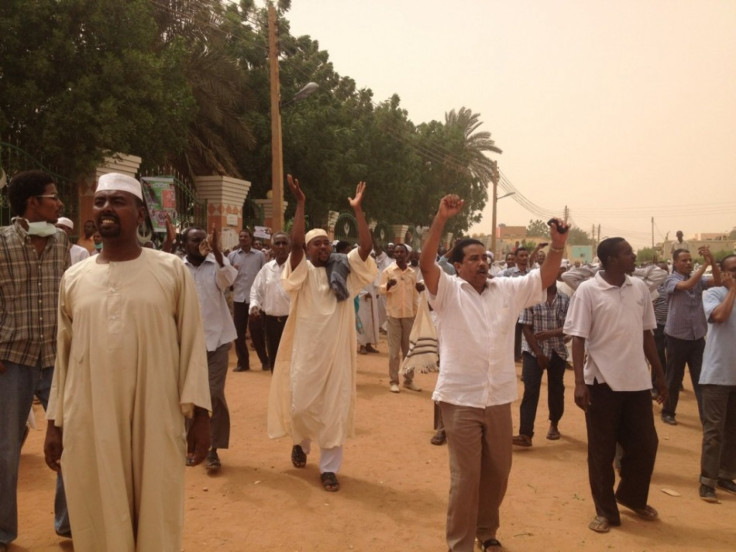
(718, 387)
(313, 387)
(686, 326)
(477, 381)
(131, 365)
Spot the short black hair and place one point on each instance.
(676, 253)
(727, 257)
(521, 248)
(25, 185)
(458, 253)
(343, 246)
(248, 230)
(185, 234)
(607, 248)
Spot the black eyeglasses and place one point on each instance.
(55, 197)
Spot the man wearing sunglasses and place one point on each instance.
(33, 256)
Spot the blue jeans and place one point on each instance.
(18, 385)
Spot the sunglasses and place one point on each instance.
(55, 197)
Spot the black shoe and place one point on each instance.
(727, 485)
(239, 368)
(64, 534)
(666, 418)
(708, 493)
(212, 462)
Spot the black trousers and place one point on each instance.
(679, 353)
(531, 375)
(623, 417)
(240, 317)
(660, 343)
(274, 327)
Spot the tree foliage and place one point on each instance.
(537, 228)
(80, 79)
(186, 84)
(579, 237)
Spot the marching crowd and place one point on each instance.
(127, 349)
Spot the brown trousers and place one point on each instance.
(479, 442)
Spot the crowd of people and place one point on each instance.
(125, 419)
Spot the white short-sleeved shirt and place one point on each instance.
(476, 334)
(612, 321)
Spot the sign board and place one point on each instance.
(160, 197)
(582, 252)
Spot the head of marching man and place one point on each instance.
(318, 246)
(118, 210)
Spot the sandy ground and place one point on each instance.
(395, 484)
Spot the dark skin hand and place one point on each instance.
(198, 441)
(53, 447)
(198, 437)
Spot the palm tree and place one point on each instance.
(470, 146)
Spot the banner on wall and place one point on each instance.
(262, 232)
(160, 197)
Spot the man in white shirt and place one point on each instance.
(248, 262)
(268, 300)
(477, 380)
(76, 252)
(213, 274)
(611, 318)
(400, 287)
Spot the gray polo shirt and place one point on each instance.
(685, 316)
(248, 264)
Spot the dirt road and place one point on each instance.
(395, 484)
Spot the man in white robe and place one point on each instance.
(312, 393)
(131, 364)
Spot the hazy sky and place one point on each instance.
(620, 110)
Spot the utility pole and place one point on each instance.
(567, 214)
(277, 155)
(652, 233)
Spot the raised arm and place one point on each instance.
(551, 266)
(723, 311)
(716, 272)
(450, 205)
(297, 230)
(365, 239)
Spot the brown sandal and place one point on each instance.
(298, 456)
(329, 482)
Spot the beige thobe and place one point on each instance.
(312, 392)
(131, 363)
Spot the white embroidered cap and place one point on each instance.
(121, 183)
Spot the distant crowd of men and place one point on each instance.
(126, 417)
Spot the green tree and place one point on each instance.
(454, 161)
(579, 237)
(537, 228)
(646, 255)
(76, 87)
